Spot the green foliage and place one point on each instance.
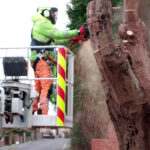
(6, 133)
(76, 135)
(12, 132)
(78, 91)
(77, 13)
(78, 140)
(116, 2)
(117, 18)
(27, 133)
(67, 134)
(16, 131)
(77, 16)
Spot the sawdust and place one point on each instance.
(94, 102)
(90, 70)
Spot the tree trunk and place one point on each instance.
(144, 13)
(125, 67)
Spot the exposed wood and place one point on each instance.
(125, 67)
(116, 9)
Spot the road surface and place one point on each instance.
(44, 144)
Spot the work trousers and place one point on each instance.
(42, 70)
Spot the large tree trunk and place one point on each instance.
(144, 14)
(125, 67)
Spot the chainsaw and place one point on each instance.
(81, 38)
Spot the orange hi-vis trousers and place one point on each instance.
(42, 70)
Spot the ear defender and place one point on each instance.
(46, 13)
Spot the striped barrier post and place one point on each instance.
(61, 86)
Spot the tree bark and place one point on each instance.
(144, 11)
(125, 67)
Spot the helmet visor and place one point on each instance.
(54, 14)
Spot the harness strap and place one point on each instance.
(36, 61)
(40, 43)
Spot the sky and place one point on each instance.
(16, 24)
(15, 19)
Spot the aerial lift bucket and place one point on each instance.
(23, 86)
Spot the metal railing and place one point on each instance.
(28, 48)
(17, 51)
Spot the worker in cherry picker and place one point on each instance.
(44, 33)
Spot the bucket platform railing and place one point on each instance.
(63, 114)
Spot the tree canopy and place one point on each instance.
(77, 12)
(116, 2)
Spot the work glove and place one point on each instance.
(84, 32)
(81, 30)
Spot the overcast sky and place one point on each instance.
(15, 19)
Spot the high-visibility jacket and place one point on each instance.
(44, 31)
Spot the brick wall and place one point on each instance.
(100, 144)
(8, 140)
(1, 142)
(106, 144)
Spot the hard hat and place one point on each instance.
(49, 12)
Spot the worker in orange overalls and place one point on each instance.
(44, 33)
